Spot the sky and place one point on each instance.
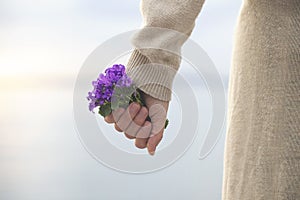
(43, 44)
(50, 36)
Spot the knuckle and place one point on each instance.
(129, 136)
(141, 117)
(109, 120)
(106, 120)
(143, 133)
(123, 122)
(134, 108)
(132, 129)
(117, 114)
(147, 129)
(138, 121)
(144, 111)
(140, 145)
(118, 128)
(128, 117)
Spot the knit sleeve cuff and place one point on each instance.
(153, 79)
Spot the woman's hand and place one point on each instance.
(133, 122)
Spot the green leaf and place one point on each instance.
(115, 104)
(166, 123)
(105, 109)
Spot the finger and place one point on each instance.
(144, 131)
(142, 135)
(158, 115)
(128, 116)
(118, 128)
(153, 141)
(116, 114)
(137, 122)
(109, 119)
(129, 136)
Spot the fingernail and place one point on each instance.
(152, 153)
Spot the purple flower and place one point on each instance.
(113, 89)
(124, 81)
(104, 85)
(114, 73)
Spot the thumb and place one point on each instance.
(153, 142)
(157, 114)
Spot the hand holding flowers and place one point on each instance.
(139, 115)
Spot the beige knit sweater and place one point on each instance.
(177, 15)
(262, 153)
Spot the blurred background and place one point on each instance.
(42, 47)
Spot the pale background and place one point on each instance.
(42, 47)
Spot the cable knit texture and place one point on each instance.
(262, 151)
(160, 46)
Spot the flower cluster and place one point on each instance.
(103, 91)
(112, 90)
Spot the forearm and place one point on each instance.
(167, 25)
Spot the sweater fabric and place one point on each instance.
(262, 150)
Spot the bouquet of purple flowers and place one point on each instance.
(112, 90)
